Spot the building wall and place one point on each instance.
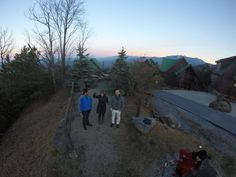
(170, 77)
(225, 81)
(186, 79)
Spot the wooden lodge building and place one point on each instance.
(224, 76)
(180, 74)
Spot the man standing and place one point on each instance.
(85, 108)
(117, 104)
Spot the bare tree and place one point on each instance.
(41, 13)
(83, 37)
(61, 20)
(6, 45)
(67, 16)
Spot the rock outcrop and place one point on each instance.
(222, 104)
(144, 124)
(170, 120)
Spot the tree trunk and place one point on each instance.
(54, 80)
(63, 70)
(138, 107)
(2, 63)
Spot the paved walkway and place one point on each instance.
(217, 118)
(204, 98)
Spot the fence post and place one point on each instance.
(68, 117)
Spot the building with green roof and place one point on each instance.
(167, 64)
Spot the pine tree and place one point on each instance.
(82, 52)
(120, 73)
(122, 54)
(82, 71)
(22, 80)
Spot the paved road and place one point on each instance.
(217, 118)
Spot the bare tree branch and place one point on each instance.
(84, 35)
(57, 22)
(28, 38)
(6, 44)
(45, 32)
(67, 15)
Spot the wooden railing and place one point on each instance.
(68, 120)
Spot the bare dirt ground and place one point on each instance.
(124, 152)
(97, 146)
(27, 151)
(26, 148)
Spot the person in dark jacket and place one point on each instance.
(101, 107)
(117, 104)
(85, 108)
(189, 161)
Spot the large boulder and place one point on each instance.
(221, 104)
(170, 120)
(144, 124)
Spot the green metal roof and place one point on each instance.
(167, 64)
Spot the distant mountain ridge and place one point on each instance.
(107, 62)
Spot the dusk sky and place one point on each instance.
(197, 28)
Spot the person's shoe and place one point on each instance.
(112, 124)
(90, 125)
(117, 125)
(85, 128)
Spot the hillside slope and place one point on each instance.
(26, 148)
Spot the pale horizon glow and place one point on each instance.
(203, 29)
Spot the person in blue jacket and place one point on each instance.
(85, 108)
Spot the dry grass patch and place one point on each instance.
(139, 151)
(26, 148)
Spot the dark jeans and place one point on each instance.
(85, 118)
(100, 117)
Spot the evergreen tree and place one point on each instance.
(122, 54)
(120, 73)
(82, 70)
(82, 52)
(22, 80)
(26, 74)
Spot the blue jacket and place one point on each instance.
(85, 103)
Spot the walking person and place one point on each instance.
(101, 107)
(85, 108)
(117, 104)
